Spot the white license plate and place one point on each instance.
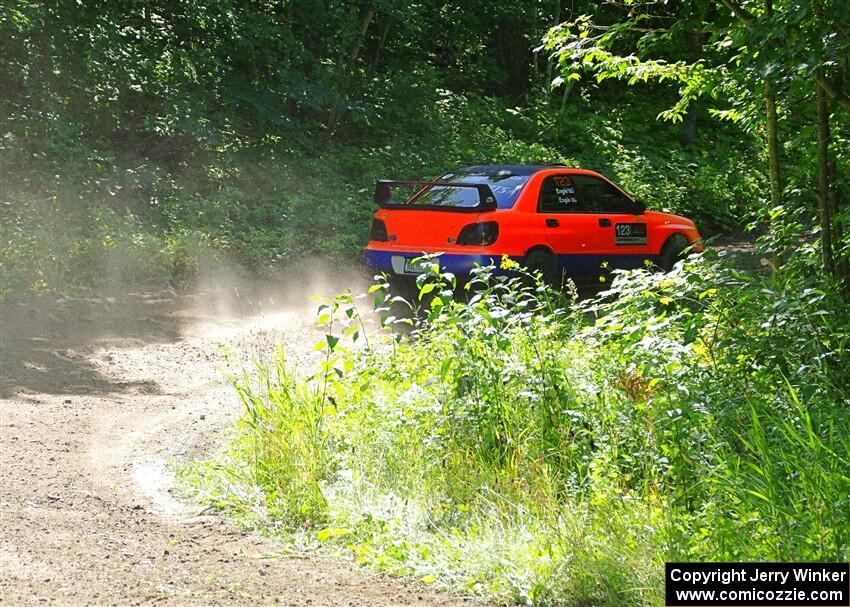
(412, 266)
(408, 265)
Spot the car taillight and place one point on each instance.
(378, 231)
(480, 234)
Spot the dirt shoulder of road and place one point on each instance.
(99, 394)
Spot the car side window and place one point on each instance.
(558, 195)
(598, 196)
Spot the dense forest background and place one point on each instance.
(140, 138)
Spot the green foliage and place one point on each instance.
(578, 50)
(289, 463)
(518, 445)
(741, 60)
(147, 138)
(762, 382)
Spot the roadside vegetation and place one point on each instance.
(516, 444)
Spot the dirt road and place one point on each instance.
(98, 395)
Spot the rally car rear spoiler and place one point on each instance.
(383, 196)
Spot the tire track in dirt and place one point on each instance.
(98, 394)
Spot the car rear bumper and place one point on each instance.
(582, 268)
(392, 262)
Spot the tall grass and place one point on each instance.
(290, 451)
(517, 444)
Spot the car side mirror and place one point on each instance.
(640, 207)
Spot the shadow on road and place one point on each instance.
(43, 341)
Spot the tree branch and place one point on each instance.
(739, 11)
(642, 30)
(645, 30)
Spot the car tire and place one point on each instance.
(672, 251)
(543, 262)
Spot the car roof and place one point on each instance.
(513, 169)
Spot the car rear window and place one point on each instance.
(505, 186)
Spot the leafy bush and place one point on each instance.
(516, 444)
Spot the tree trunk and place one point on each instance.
(839, 254)
(344, 69)
(689, 134)
(824, 194)
(695, 40)
(364, 27)
(381, 44)
(772, 131)
(568, 88)
(771, 126)
(535, 68)
(773, 161)
(842, 261)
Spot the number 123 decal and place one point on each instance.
(630, 233)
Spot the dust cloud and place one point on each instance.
(228, 300)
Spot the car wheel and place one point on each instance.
(543, 263)
(671, 252)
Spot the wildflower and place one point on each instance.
(508, 264)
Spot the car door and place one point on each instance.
(619, 231)
(568, 228)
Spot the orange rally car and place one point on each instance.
(553, 219)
